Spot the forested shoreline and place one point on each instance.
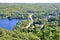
(46, 14)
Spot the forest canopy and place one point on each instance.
(46, 14)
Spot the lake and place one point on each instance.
(8, 24)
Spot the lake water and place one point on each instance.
(8, 24)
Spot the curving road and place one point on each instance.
(31, 21)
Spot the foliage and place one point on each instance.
(43, 14)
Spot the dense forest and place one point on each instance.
(45, 26)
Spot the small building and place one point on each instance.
(42, 27)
